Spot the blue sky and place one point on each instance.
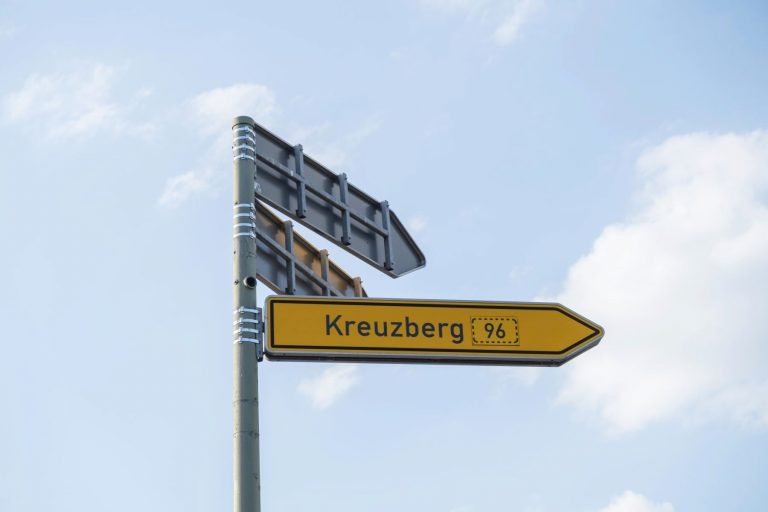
(609, 155)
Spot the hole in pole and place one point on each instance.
(249, 282)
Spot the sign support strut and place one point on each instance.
(247, 325)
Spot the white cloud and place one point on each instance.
(518, 273)
(417, 223)
(680, 289)
(213, 110)
(509, 28)
(7, 30)
(144, 92)
(331, 385)
(525, 376)
(324, 144)
(633, 502)
(180, 188)
(504, 17)
(71, 105)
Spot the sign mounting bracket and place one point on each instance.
(249, 328)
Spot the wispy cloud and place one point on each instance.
(518, 273)
(633, 502)
(73, 105)
(509, 28)
(525, 376)
(183, 186)
(417, 223)
(327, 388)
(212, 112)
(504, 380)
(504, 18)
(7, 30)
(324, 143)
(680, 289)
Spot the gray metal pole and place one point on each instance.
(247, 323)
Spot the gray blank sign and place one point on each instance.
(323, 201)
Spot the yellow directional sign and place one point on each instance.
(425, 331)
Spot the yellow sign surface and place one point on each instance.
(325, 328)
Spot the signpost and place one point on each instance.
(266, 249)
(247, 328)
(425, 331)
(334, 322)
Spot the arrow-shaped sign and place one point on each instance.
(426, 331)
(325, 202)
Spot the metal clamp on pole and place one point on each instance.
(245, 220)
(249, 328)
(243, 142)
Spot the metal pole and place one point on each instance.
(247, 323)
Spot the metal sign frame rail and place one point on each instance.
(290, 265)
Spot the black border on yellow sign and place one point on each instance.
(550, 358)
